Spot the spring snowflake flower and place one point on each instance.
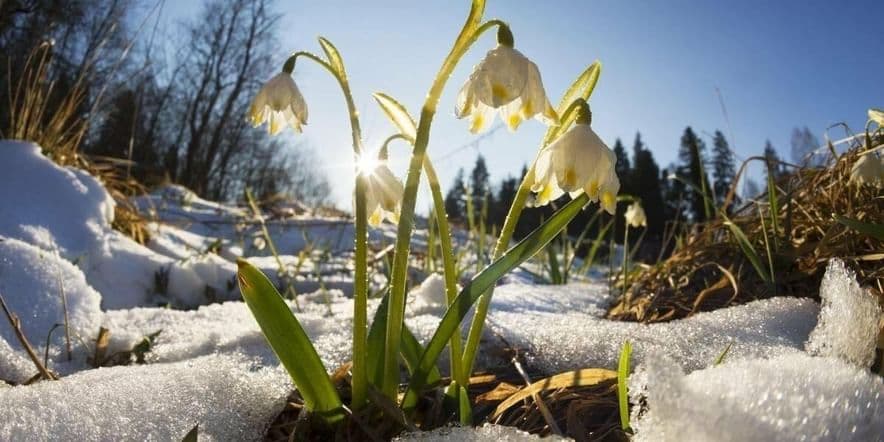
(877, 115)
(868, 169)
(578, 161)
(507, 81)
(635, 216)
(259, 243)
(280, 102)
(383, 194)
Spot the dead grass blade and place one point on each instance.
(578, 378)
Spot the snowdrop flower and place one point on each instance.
(507, 81)
(877, 115)
(635, 216)
(383, 193)
(259, 243)
(868, 169)
(578, 161)
(280, 102)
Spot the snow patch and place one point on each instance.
(34, 284)
(787, 398)
(225, 395)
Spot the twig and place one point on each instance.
(544, 411)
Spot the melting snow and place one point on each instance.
(784, 377)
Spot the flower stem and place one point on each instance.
(359, 382)
(625, 257)
(395, 315)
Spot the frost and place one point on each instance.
(848, 326)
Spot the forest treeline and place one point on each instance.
(671, 196)
(166, 103)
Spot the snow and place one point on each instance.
(786, 398)
(793, 371)
(485, 433)
(227, 396)
(849, 318)
(33, 283)
(562, 328)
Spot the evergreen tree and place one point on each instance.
(803, 144)
(772, 159)
(506, 193)
(723, 168)
(454, 199)
(623, 168)
(480, 189)
(750, 189)
(645, 179)
(693, 169)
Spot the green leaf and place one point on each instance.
(773, 201)
(397, 114)
(334, 57)
(410, 348)
(555, 275)
(748, 249)
(192, 435)
(723, 354)
(582, 87)
(622, 377)
(290, 343)
(869, 229)
(484, 280)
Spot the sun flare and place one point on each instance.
(367, 164)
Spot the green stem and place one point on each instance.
(448, 265)
(360, 284)
(395, 315)
(506, 234)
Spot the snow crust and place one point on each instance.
(795, 397)
(227, 396)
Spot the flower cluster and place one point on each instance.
(505, 81)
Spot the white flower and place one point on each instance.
(280, 102)
(608, 193)
(877, 115)
(578, 161)
(259, 243)
(505, 80)
(635, 215)
(868, 169)
(383, 194)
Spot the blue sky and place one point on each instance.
(778, 64)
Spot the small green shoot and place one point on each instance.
(622, 378)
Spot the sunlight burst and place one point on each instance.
(367, 164)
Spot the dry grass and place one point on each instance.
(54, 117)
(709, 271)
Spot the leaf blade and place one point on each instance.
(398, 115)
(290, 343)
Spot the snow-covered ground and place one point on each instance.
(794, 371)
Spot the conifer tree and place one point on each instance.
(645, 179)
(692, 169)
(723, 168)
(454, 199)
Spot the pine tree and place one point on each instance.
(772, 159)
(454, 199)
(645, 179)
(803, 144)
(623, 168)
(693, 170)
(723, 168)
